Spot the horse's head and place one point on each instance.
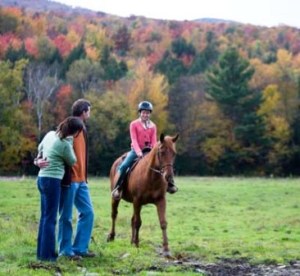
(166, 153)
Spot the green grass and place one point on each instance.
(209, 219)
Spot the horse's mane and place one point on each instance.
(149, 158)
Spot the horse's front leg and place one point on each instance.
(114, 214)
(161, 211)
(136, 223)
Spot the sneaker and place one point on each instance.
(116, 194)
(172, 189)
(72, 257)
(88, 254)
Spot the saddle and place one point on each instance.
(145, 151)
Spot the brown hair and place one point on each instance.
(80, 106)
(69, 126)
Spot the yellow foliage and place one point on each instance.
(152, 87)
(217, 130)
(96, 39)
(73, 37)
(271, 100)
(265, 74)
(39, 25)
(213, 149)
(277, 127)
(284, 58)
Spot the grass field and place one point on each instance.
(209, 219)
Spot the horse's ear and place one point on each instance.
(162, 138)
(174, 139)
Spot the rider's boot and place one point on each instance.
(117, 191)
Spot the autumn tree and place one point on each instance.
(8, 22)
(77, 53)
(177, 60)
(16, 54)
(16, 129)
(41, 82)
(107, 143)
(121, 40)
(112, 69)
(85, 75)
(207, 57)
(278, 131)
(146, 85)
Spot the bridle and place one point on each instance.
(160, 170)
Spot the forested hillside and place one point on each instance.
(230, 90)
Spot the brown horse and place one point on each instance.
(147, 183)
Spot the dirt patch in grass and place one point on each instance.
(240, 267)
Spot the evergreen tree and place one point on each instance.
(77, 53)
(13, 55)
(228, 86)
(113, 70)
(171, 67)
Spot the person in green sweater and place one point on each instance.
(57, 148)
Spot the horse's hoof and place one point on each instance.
(110, 238)
(167, 254)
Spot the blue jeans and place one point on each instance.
(127, 162)
(49, 188)
(78, 194)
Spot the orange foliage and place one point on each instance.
(13, 11)
(16, 43)
(91, 52)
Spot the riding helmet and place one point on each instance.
(145, 105)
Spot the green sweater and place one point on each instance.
(58, 152)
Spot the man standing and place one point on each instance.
(75, 191)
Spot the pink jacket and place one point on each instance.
(142, 137)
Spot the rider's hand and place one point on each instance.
(41, 162)
(140, 154)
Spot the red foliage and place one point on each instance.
(31, 46)
(63, 45)
(4, 43)
(63, 102)
(187, 60)
(153, 59)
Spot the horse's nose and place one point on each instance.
(169, 178)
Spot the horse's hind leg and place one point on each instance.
(136, 223)
(161, 211)
(114, 214)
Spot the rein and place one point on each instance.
(161, 167)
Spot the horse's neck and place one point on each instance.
(152, 158)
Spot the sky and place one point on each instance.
(257, 12)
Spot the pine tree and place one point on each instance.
(228, 86)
